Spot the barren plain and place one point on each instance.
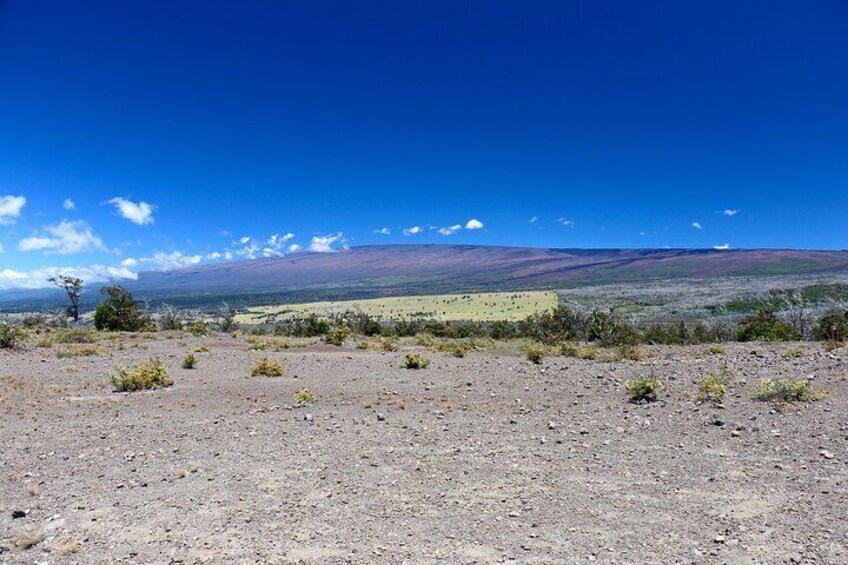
(482, 459)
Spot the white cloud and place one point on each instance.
(414, 230)
(697, 225)
(64, 238)
(474, 224)
(37, 278)
(383, 231)
(294, 248)
(723, 247)
(565, 222)
(533, 219)
(450, 230)
(275, 245)
(140, 213)
(10, 209)
(69, 204)
(730, 212)
(244, 239)
(324, 243)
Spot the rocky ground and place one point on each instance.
(482, 459)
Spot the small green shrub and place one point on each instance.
(715, 350)
(644, 389)
(12, 337)
(569, 349)
(267, 368)
(712, 387)
(415, 361)
(390, 344)
(337, 335)
(120, 312)
(456, 347)
(304, 397)
(535, 353)
(786, 390)
(197, 328)
(148, 375)
(81, 351)
(76, 335)
(189, 361)
(766, 326)
(631, 352)
(201, 349)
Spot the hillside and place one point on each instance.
(453, 268)
(375, 271)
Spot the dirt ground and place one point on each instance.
(482, 459)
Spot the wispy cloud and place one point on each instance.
(139, 213)
(697, 225)
(38, 278)
(63, 239)
(722, 247)
(10, 209)
(383, 231)
(450, 230)
(69, 204)
(474, 224)
(325, 243)
(566, 222)
(414, 230)
(533, 219)
(730, 212)
(163, 261)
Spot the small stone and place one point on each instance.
(381, 417)
(307, 417)
(719, 539)
(826, 454)
(18, 514)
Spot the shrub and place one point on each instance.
(267, 368)
(228, 318)
(197, 328)
(569, 349)
(12, 337)
(786, 390)
(148, 375)
(607, 329)
(415, 361)
(304, 397)
(201, 349)
(120, 312)
(644, 389)
(76, 335)
(766, 326)
(630, 352)
(712, 387)
(337, 335)
(170, 319)
(456, 347)
(833, 326)
(715, 350)
(189, 361)
(390, 344)
(535, 353)
(81, 351)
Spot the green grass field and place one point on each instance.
(477, 307)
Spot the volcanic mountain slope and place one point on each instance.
(432, 268)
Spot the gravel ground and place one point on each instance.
(482, 459)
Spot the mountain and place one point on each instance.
(421, 269)
(402, 269)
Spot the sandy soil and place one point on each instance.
(483, 459)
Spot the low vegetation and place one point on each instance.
(337, 335)
(11, 336)
(712, 386)
(189, 361)
(267, 368)
(415, 361)
(148, 375)
(786, 391)
(536, 353)
(78, 351)
(644, 389)
(304, 397)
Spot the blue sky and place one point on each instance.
(177, 129)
